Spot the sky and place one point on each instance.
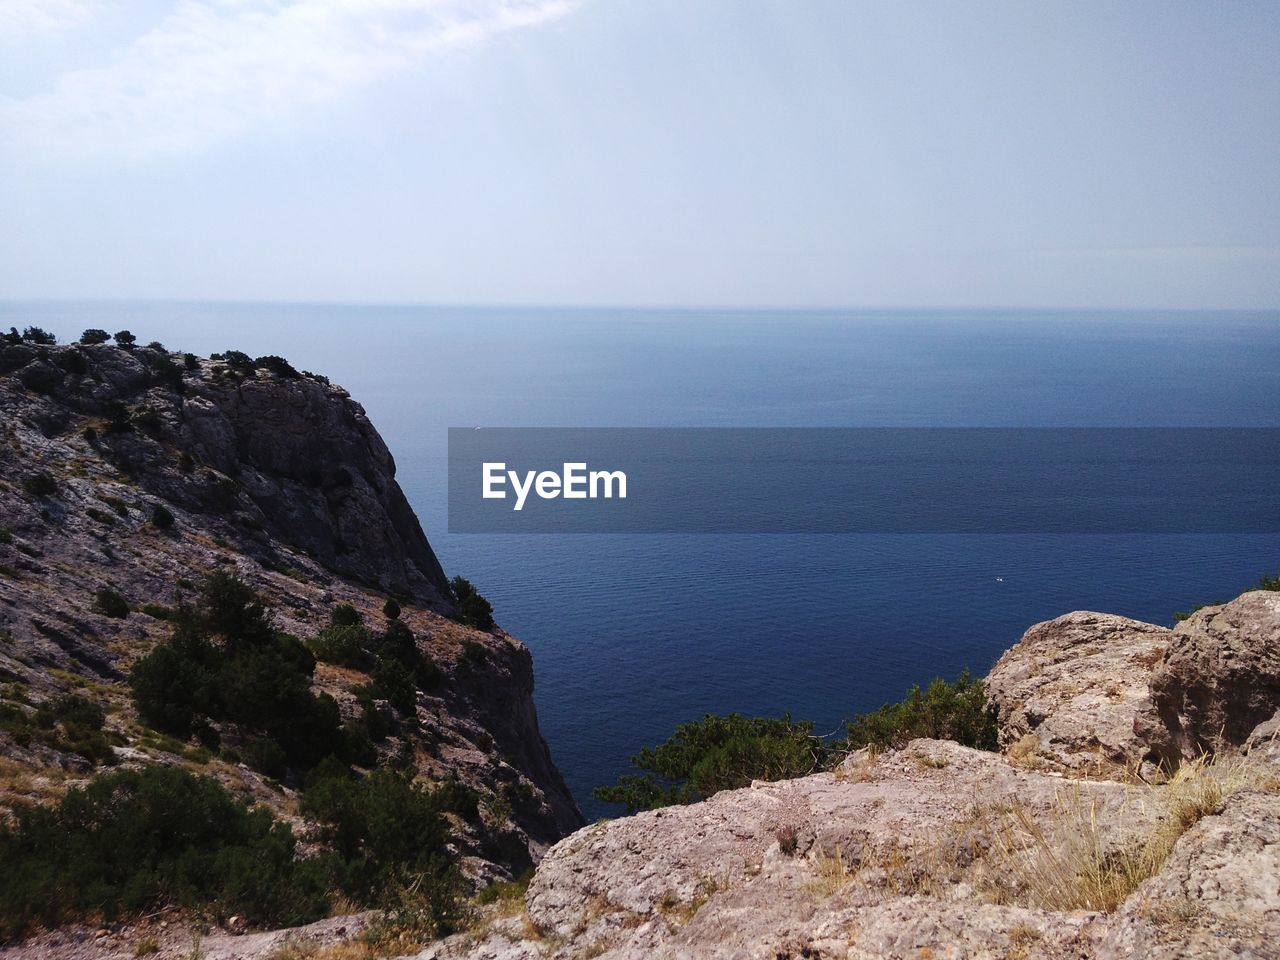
(783, 153)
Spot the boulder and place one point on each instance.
(1067, 694)
(1218, 680)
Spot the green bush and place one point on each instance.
(67, 723)
(110, 604)
(40, 484)
(398, 644)
(281, 367)
(391, 609)
(93, 336)
(388, 834)
(345, 645)
(942, 711)
(225, 662)
(472, 609)
(125, 339)
(39, 336)
(73, 724)
(345, 615)
(393, 682)
(161, 517)
(713, 754)
(133, 840)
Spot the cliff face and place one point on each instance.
(282, 480)
(292, 457)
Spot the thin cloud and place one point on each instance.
(214, 68)
(34, 18)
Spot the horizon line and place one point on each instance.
(631, 307)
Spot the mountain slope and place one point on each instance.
(138, 472)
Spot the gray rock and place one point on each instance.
(1218, 895)
(1067, 694)
(1218, 680)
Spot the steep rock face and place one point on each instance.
(1067, 694)
(94, 440)
(292, 456)
(1219, 679)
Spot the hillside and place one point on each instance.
(135, 473)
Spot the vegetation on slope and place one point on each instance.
(728, 752)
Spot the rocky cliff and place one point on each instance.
(140, 471)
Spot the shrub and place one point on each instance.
(1265, 582)
(125, 339)
(93, 513)
(73, 724)
(398, 644)
(391, 609)
(148, 418)
(161, 517)
(237, 360)
(169, 373)
(39, 336)
(138, 839)
(279, 366)
(713, 754)
(388, 834)
(345, 615)
(344, 645)
(472, 609)
(110, 604)
(191, 361)
(94, 336)
(40, 484)
(225, 662)
(393, 682)
(942, 711)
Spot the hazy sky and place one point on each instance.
(729, 152)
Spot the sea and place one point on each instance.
(633, 634)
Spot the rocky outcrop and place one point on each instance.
(935, 850)
(1067, 694)
(1218, 680)
(1218, 894)
(281, 479)
(291, 457)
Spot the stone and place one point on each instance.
(1218, 680)
(1067, 694)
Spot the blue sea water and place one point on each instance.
(632, 634)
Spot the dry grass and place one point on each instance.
(858, 766)
(1071, 861)
(832, 875)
